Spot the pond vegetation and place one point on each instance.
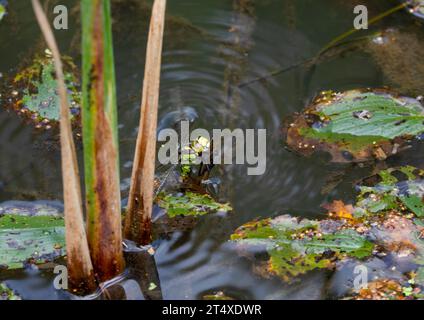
(110, 235)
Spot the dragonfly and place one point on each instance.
(188, 175)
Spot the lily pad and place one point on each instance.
(26, 238)
(190, 204)
(356, 125)
(33, 92)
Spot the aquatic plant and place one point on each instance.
(382, 223)
(190, 204)
(30, 237)
(356, 125)
(387, 192)
(32, 93)
(80, 267)
(140, 203)
(100, 138)
(297, 246)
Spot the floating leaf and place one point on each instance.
(34, 238)
(34, 91)
(190, 204)
(298, 246)
(414, 203)
(388, 192)
(383, 225)
(357, 125)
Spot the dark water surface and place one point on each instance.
(210, 47)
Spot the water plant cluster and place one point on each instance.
(100, 238)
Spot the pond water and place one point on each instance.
(210, 48)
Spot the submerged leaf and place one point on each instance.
(357, 125)
(414, 203)
(190, 204)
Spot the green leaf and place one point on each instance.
(391, 193)
(37, 238)
(14, 221)
(414, 203)
(287, 263)
(45, 103)
(383, 115)
(190, 204)
(356, 125)
(36, 95)
(296, 247)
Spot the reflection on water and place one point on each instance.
(210, 48)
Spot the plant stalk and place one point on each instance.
(138, 218)
(100, 138)
(80, 268)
